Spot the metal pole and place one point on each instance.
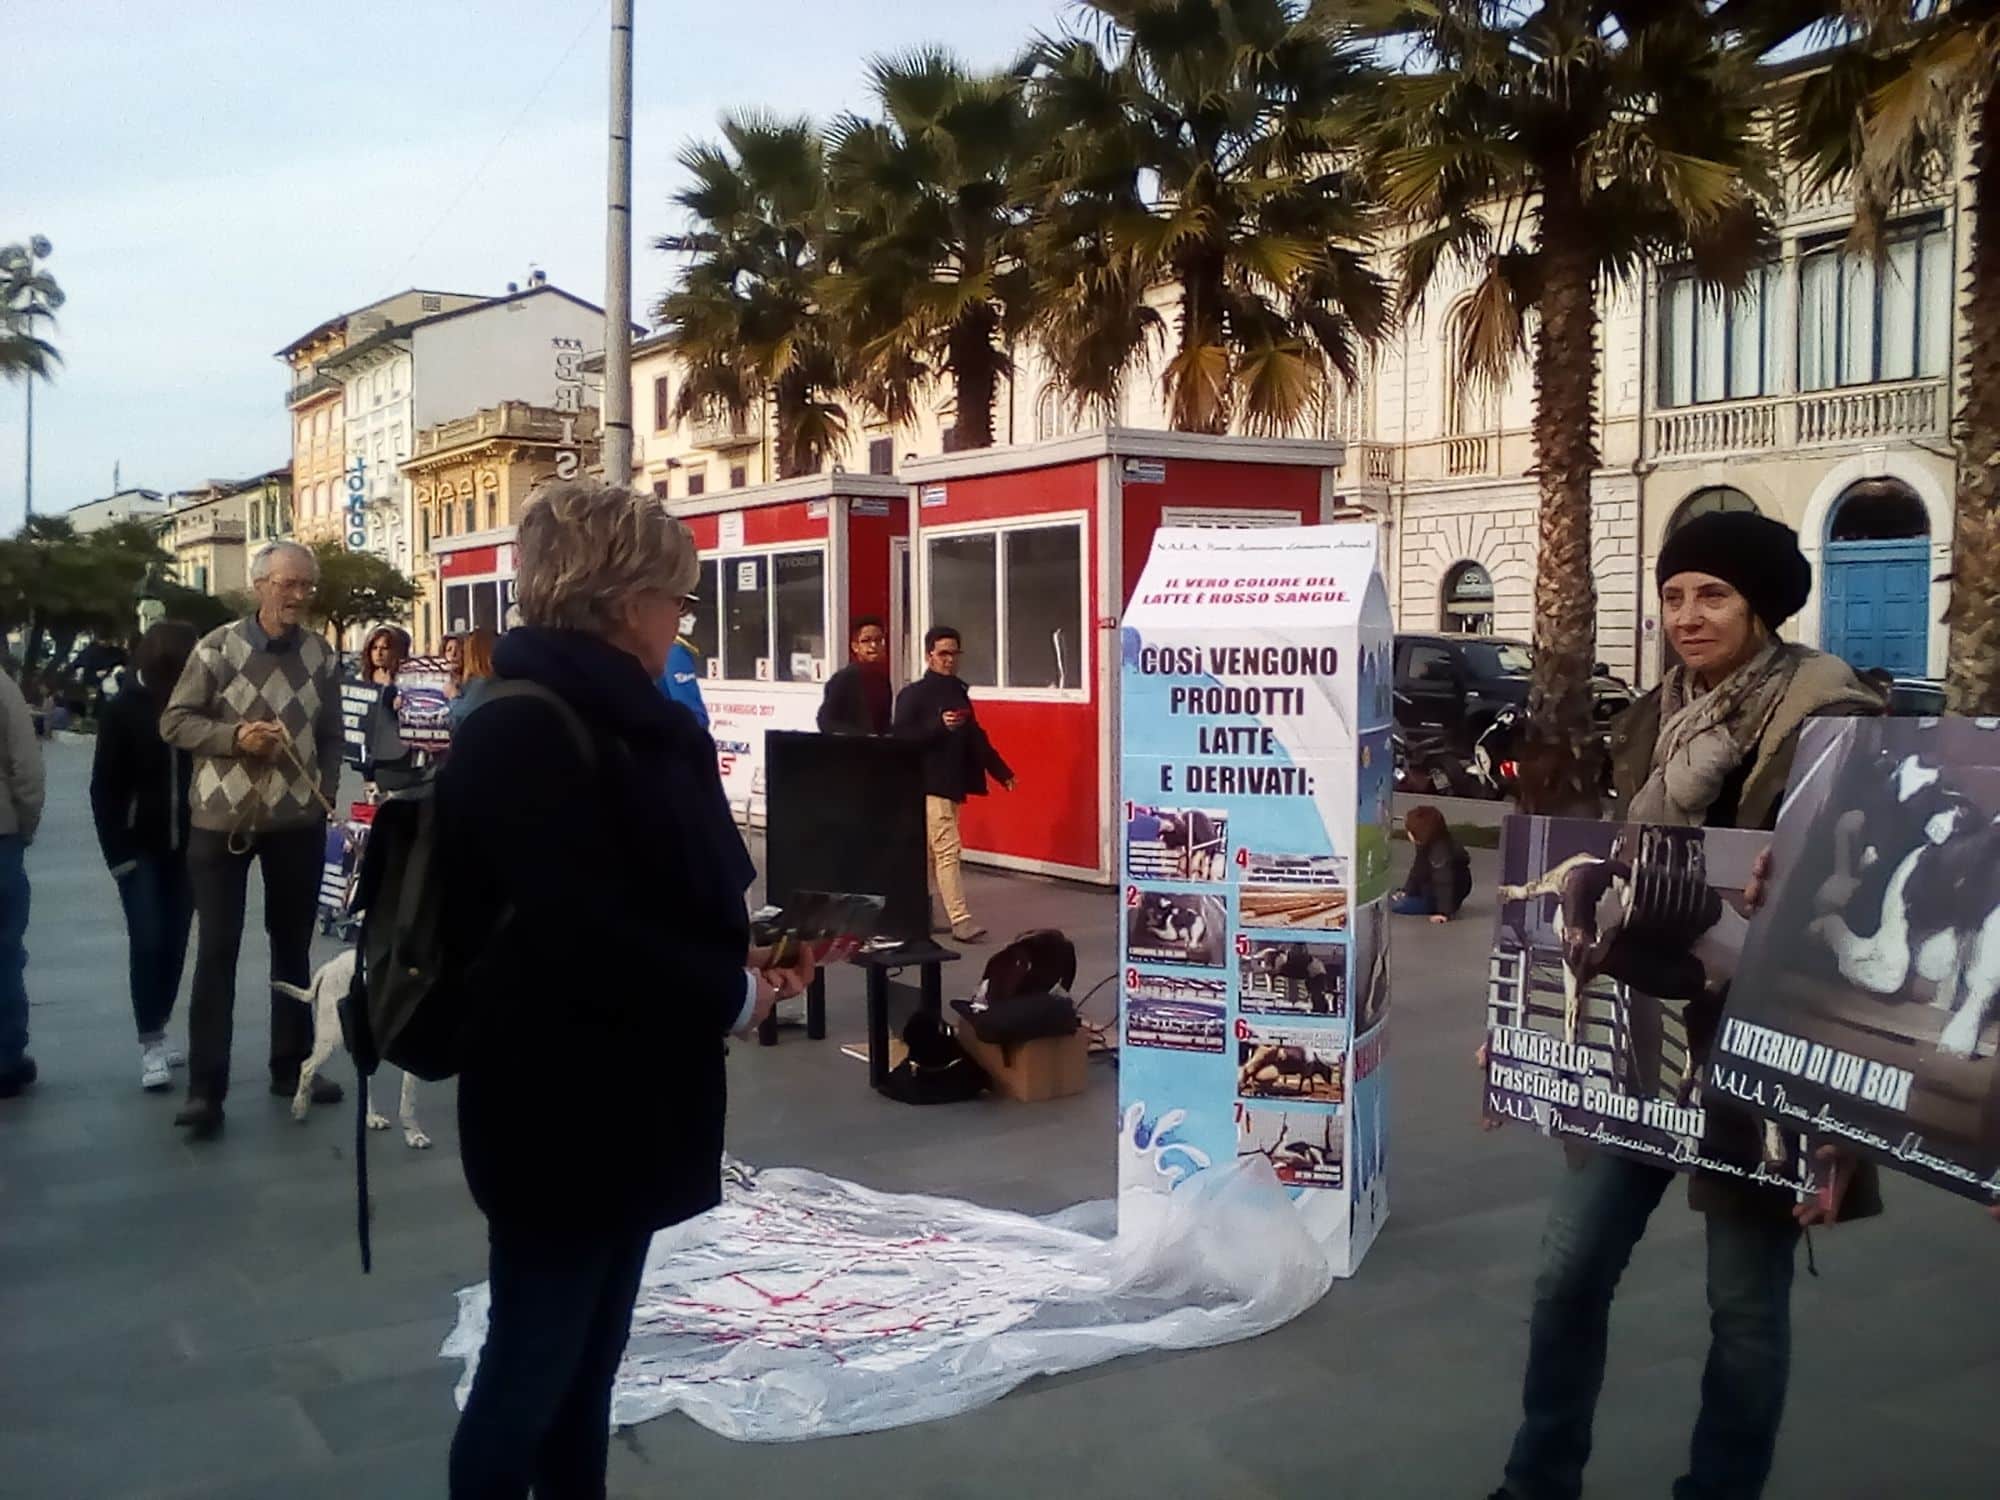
(618, 257)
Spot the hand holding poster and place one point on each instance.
(357, 698)
(1867, 1009)
(424, 689)
(1610, 951)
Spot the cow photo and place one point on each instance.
(1176, 843)
(1870, 994)
(1292, 978)
(1285, 1063)
(1306, 1148)
(1167, 928)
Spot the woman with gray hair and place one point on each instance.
(591, 1097)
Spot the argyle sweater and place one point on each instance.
(239, 674)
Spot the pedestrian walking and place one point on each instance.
(1711, 746)
(1441, 873)
(22, 787)
(607, 1000)
(936, 711)
(858, 698)
(258, 708)
(682, 679)
(475, 674)
(139, 801)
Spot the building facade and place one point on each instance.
(208, 536)
(125, 505)
(469, 479)
(314, 397)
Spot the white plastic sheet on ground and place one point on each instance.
(805, 1306)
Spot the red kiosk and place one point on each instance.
(785, 569)
(1032, 552)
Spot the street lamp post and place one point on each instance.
(617, 435)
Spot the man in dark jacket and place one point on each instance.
(936, 711)
(858, 699)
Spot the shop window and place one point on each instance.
(773, 615)
(457, 609)
(1468, 603)
(486, 606)
(1016, 597)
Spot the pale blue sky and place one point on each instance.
(219, 177)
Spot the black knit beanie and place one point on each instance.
(1753, 554)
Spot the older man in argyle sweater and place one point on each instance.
(259, 709)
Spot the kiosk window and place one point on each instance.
(798, 614)
(746, 615)
(771, 609)
(702, 637)
(1016, 595)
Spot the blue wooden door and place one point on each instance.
(1875, 604)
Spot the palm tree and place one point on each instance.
(1885, 107)
(1191, 152)
(745, 317)
(929, 256)
(29, 297)
(1553, 152)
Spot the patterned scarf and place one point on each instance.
(1705, 736)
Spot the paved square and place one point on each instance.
(182, 1321)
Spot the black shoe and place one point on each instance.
(324, 1089)
(199, 1117)
(18, 1077)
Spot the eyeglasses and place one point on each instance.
(299, 586)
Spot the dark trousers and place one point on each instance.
(13, 950)
(290, 863)
(1597, 1217)
(159, 910)
(540, 1409)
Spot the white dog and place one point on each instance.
(329, 985)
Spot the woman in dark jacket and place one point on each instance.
(139, 801)
(386, 762)
(1441, 873)
(591, 1097)
(1712, 746)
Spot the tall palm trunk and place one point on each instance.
(791, 403)
(975, 374)
(1972, 669)
(1559, 768)
(1199, 401)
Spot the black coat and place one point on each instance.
(592, 1094)
(138, 783)
(858, 701)
(1441, 870)
(956, 761)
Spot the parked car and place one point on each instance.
(1454, 686)
(1916, 698)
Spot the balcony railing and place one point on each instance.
(1375, 463)
(744, 430)
(1854, 414)
(311, 386)
(509, 419)
(1468, 455)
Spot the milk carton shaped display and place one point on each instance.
(1255, 797)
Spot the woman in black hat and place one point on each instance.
(1711, 746)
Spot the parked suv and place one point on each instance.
(1452, 686)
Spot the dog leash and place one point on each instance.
(242, 835)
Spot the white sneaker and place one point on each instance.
(175, 1057)
(153, 1067)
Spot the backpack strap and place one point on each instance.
(521, 687)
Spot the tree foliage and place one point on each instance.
(59, 589)
(1195, 148)
(745, 316)
(29, 297)
(1549, 154)
(358, 588)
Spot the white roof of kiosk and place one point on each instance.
(1224, 579)
(789, 491)
(1125, 442)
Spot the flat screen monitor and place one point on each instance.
(846, 813)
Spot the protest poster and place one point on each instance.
(424, 688)
(1867, 1007)
(357, 698)
(1610, 951)
(1254, 867)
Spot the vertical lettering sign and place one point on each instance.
(569, 404)
(357, 504)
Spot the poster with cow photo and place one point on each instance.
(1611, 951)
(1306, 1148)
(1185, 844)
(424, 689)
(1867, 1009)
(1166, 927)
(1275, 1062)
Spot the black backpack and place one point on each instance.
(409, 1003)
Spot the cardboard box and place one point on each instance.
(1051, 1067)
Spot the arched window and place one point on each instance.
(1717, 497)
(1468, 600)
(1471, 404)
(1878, 510)
(1051, 420)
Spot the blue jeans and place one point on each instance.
(1403, 904)
(159, 911)
(13, 950)
(1597, 1217)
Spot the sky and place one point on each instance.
(219, 176)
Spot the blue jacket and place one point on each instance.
(683, 681)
